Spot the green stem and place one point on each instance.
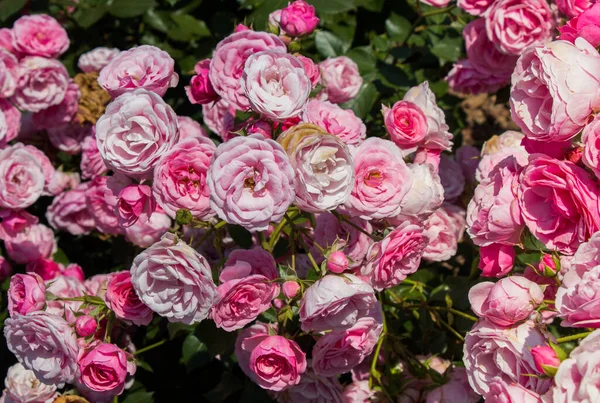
(342, 218)
(439, 11)
(454, 311)
(374, 373)
(150, 347)
(276, 232)
(572, 337)
(263, 242)
(450, 329)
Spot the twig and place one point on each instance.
(150, 347)
(572, 337)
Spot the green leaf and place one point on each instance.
(143, 364)
(371, 5)
(187, 28)
(365, 59)
(159, 20)
(398, 28)
(176, 328)
(140, 396)
(448, 49)
(240, 235)
(87, 16)
(10, 7)
(129, 8)
(362, 104)
(194, 353)
(60, 257)
(332, 6)
(329, 45)
(260, 15)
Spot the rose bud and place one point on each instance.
(549, 266)
(546, 360)
(85, 326)
(290, 289)
(337, 262)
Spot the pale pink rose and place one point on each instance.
(103, 368)
(406, 123)
(96, 285)
(102, 212)
(137, 129)
(290, 289)
(39, 35)
(559, 203)
(457, 389)
(42, 83)
(313, 388)
(174, 281)
(341, 79)
(27, 293)
(546, 103)
(585, 25)
(6, 269)
(188, 127)
(69, 137)
(121, 298)
(398, 255)
(444, 229)
(200, 90)
(92, 165)
(337, 262)
(134, 202)
(483, 54)
(312, 70)
(251, 182)
(144, 234)
(62, 181)
(451, 177)
(298, 18)
(60, 114)
(494, 214)
(275, 84)
(65, 287)
(21, 177)
(180, 178)
(468, 158)
(69, 212)
(44, 344)
(220, 119)
(6, 41)
(572, 8)
(358, 392)
(47, 167)
(491, 351)
(507, 302)
(339, 351)
(342, 123)
(22, 386)
(10, 122)
(274, 19)
(425, 195)
(475, 7)
(242, 263)
(242, 300)
(9, 73)
(144, 66)
(508, 139)
(32, 243)
(578, 298)
(85, 326)
(229, 59)
(591, 143)
(465, 78)
(503, 392)
(382, 180)
(518, 155)
(335, 303)
(96, 59)
(47, 269)
(496, 260)
(585, 258)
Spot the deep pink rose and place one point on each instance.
(465, 78)
(556, 150)
(188, 127)
(144, 234)
(340, 78)
(229, 59)
(398, 255)
(382, 179)
(23, 386)
(96, 59)
(475, 7)
(220, 118)
(312, 70)
(242, 263)
(73, 270)
(200, 90)
(251, 182)
(121, 298)
(144, 66)
(586, 25)
(6, 41)
(10, 122)
(62, 113)
(137, 129)
(290, 289)
(85, 326)
(27, 293)
(262, 127)
(103, 368)
(14, 221)
(496, 260)
(591, 145)
(45, 344)
(503, 392)
(545, 357)
(21, 177)
(42, 83)
(483, 54)
(444, 229)
(39, 35)
(573, 8)
(68, 212)
(425, 195)
(578, 298)
(342, 123)
(92, 165)
(406, 123)
(335, 303)
(298, 18)
(135, 202)
(241, 352)
(102, 212)
(32, 243)
(69, 137)
(559, 203)
(9, 73)
(47, 269)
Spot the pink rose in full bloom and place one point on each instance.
(573, 8)
(100, 209)
(242, 263)
(578, 298)
(47, 269)
(220, 118)
(60, 114)
(503, 392)
(382, 179)
(137, 129)
(406, 123)
(22, 386)
(144, 234)
(9, 73)
(251, 182)
(591, 145)
(312, 70)
(241, 352)
(507, 302)
(21, 177)
(341, 79)
(47, 167)
(188, 127)
(545, 102)
(30, 244)
(514, 25)
(444, 229)
(96, 59)
(586, 25)
(559, 203)
(229, 59)
(68, 212)
(103, 368)
(491, 351)
(44, 344)
(335, 303)
(14, 221)
(475, 7)
(135, 202)
(398, 255)
(465, 78)
(342, 123)
(27, 293)
(174, 281)
(298, 18)
(496, 260)
(144, 66)
(10, 122)
(92, 165)
(518, 155)
(121, 298)
(275, 84)
(200, 90)
(425, 195)
(42, 83)
(39, 35)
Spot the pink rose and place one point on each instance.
(44, 344)
(73, 270)
(92, 165)
(586, 25)
(21, 177)
(188, 127)
(475, 7)
(559, 203)
(451, 177)
(6, 269)
(545, 358)
(103, 213)
(312, 70)
(103, 368)
(507, 302)
(406, 123)
(494, 214)
(9, 73)
(96, 285)
(6, 38)
(10, 122)
(556, 150)
(578, 298)
(42, 83)
(45, 268)
(298, 18)
(572, 8)
(585, 258)
(229, 59)
(341, 79)
(69, 212)
(121, 298)
(313, 387)
(382, 179)
(85, 326)
(174, 281)
(436, 3)
(22, 386)
(27, 293)
(134, 202)
(62, 181)
(444, 229)
(62, 113)
(200, 90)
(242, 263)
(425, 195)
(483, 54)
(65, 287)
(545, 102)
(491, 351)
(96, 59)
(518, 155)
(342, 123)
(591, 141)
(242, 353)
(39, 35)
(137, 129)
(68, 137)
(290, 289)
(14, 221)
(219, 118)
(144, 234)
(47, 167)
(335, 303)
(398, 255)
(496, 260)
(32, 243)
(337, 262)
(251, 182)
(144, 66)
(358, 392)
(262, 127)
(242, 300)
(465, 78)
(503, 392)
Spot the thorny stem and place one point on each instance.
(150, 347)
(572, 337)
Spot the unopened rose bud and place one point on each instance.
(549, 266)
(85, 325)
(546, 360)
(278, 303)
(290, 289)
(337, 262)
